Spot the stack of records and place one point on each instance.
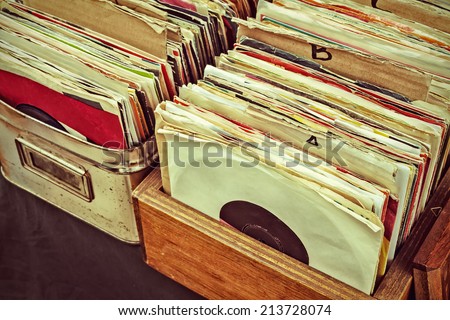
(287, 140)
(102, 84)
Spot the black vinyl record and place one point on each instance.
(264, 226)
(40, 115)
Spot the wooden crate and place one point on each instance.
(220, 263)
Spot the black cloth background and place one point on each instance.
(46, 253)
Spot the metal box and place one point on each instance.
(88, 181)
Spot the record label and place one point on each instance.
(264, 226)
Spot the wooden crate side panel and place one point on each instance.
(398, 280)
(220, 263)
(428, 285)
(432, 262)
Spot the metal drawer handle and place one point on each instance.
(69, 176)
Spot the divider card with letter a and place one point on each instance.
(357, 119)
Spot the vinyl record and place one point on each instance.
(40, 115)
(264, 226)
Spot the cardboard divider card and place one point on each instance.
(434, 13)
(108, 19)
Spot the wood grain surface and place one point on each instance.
(432, 262)
(398, 280)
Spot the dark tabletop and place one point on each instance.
(47, 254)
